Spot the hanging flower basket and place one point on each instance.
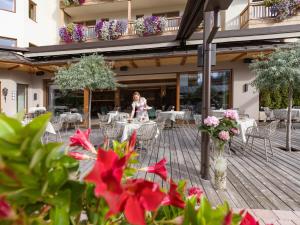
(151, 25)
(72, 32)
(282, 9)
(110, 30)
(73, 2)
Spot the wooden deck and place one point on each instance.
(252, 182)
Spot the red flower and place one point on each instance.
(5, 210)
(248, 219)
(79, 156)
(174, 198)
(159, 169)
(82, 139)
(132, 141)
(228, 218)
(106, 175)
(195, 191)
(138, 197)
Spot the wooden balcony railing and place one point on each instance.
(255, 11)
(172, 25)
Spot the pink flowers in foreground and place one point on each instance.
(224, 135)
(5, 210)
(195, 191)
(82, 139)
(211, 121)
(231, 114)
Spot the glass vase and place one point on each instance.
(219, 165)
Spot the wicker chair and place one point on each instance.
(103, 120)
(111, 131)
(120, 117)
(262, 132)
(198, 122)
(146, 134)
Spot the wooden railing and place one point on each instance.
(172, 25)
(255, 11)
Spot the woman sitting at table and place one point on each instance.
(139, 107)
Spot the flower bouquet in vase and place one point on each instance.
(220, 132)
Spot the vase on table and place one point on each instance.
(219, 165)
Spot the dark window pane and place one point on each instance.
(8, 5)
(8, 42)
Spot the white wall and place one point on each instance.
(42, 32)
(233, 14)
(247, 101)
(10, 79)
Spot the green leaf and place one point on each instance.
(37, 157)
(57, 177)
(24, 196)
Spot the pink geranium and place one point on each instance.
(211, 121)
(235, 131)
(224, 135)
(231, 114)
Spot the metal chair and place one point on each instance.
(161, 124)
(268, 113)
(103, 120)
(111, 131)
(146, 133)
(198, 122)
(187, 116)
(262, 132)
(120, 117)
(57, 124)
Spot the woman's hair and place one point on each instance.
(136, 93)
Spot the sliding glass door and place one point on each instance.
(22, 97)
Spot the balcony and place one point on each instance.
(257, 15)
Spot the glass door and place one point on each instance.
(22, 96)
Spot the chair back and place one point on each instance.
(187, 114)
(102, 118)
(147, 132)
(280, 114)
(272, 127)
(57, 123)
(111, 130)
(198, 119)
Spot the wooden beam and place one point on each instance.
(157, 62)
(43, 69)
(239, 57)
(13, 67)
(133, 64)
(183, 60)
(117, 97)
(177, 92)
(86, 95)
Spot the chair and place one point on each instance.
(103, 119)
(121, 116)
(198, 122)
(187, 116)
(152, 113)
(161, 124)
(57, 124)
(146, 133)
(268, 113)
(262, 132)
(111, 131)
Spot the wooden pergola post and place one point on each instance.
(117, 98)
(86, 96)
(129, 18)
(177, 92)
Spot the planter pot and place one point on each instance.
(219, 165)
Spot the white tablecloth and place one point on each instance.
(71, 117)
(112, 115)
(244, 124)
(49, 129)
(35, 109)
(128, 128)
(281, 114)
(171, 115)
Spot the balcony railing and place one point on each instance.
(172, 25)
(256, 11)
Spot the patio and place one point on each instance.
(252, 182)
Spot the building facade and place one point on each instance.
(161, 67)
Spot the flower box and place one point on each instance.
(72, 32)
(151, 25)
(110, 30)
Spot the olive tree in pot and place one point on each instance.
(91, 73)
(278, 71)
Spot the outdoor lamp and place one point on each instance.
(4, 93)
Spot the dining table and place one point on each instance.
(171, 115)
(71, 117)
(129, 127)
(49, 128)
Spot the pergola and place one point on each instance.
(196, 12)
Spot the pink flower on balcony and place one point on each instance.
(224, 135)
(235, 131)
(211, 121)
(231, 114)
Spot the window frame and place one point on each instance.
(30, 2)
(9, 38)
(14, 8)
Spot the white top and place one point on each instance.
(140, 107)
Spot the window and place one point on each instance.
(191, 90)
(8, 5)
(167, 14)
(32, 10)
(10, 42)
